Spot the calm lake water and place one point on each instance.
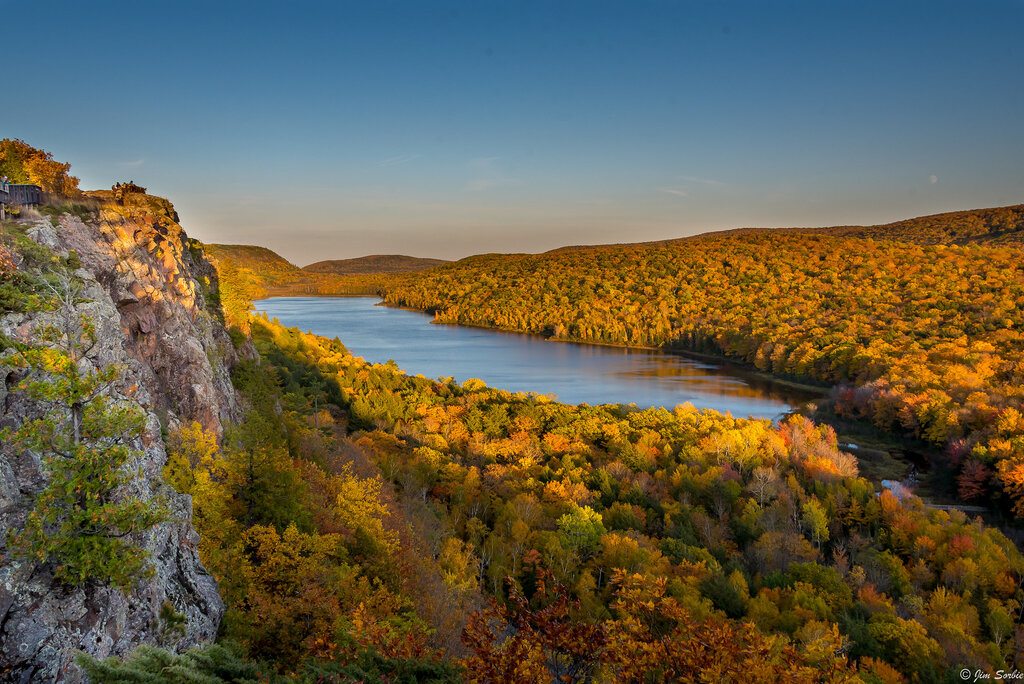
(576, 373)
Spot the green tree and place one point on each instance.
(82, 518)
(581, 530)
(260, 475)
(816, 519)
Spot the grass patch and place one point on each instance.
(20, 288)
(84, 209)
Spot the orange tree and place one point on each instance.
(22, 163)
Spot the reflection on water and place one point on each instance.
(695, 375)
(524, 363)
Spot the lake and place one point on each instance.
(576, 373)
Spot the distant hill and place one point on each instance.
(273, 275)
(994, 226)
(267, 274)
(260, 259)
(374, 264)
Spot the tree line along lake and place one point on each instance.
(575, 373)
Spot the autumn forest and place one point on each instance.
(762, 535)
(366, 524)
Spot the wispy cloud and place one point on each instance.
(686, 185)
(700, 181)
(397, 161)
(131, 164)
(488, 174)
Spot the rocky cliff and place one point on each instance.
(151, 299)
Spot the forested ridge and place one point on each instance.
(267, 274)
(922, 340)
(995, 226)
(374, 264)
(992, 226)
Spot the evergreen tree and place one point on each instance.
(82, 518)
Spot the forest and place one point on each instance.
(569, 518)
(922, 340)
(364, 525)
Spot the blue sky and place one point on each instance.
(337, 129)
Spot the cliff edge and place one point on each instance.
(152, 299)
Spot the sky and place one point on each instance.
(329, 130)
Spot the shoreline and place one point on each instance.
(882, 455)
(819, 390)
(808, 407)
(816, 389)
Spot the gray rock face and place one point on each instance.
(145, 290)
